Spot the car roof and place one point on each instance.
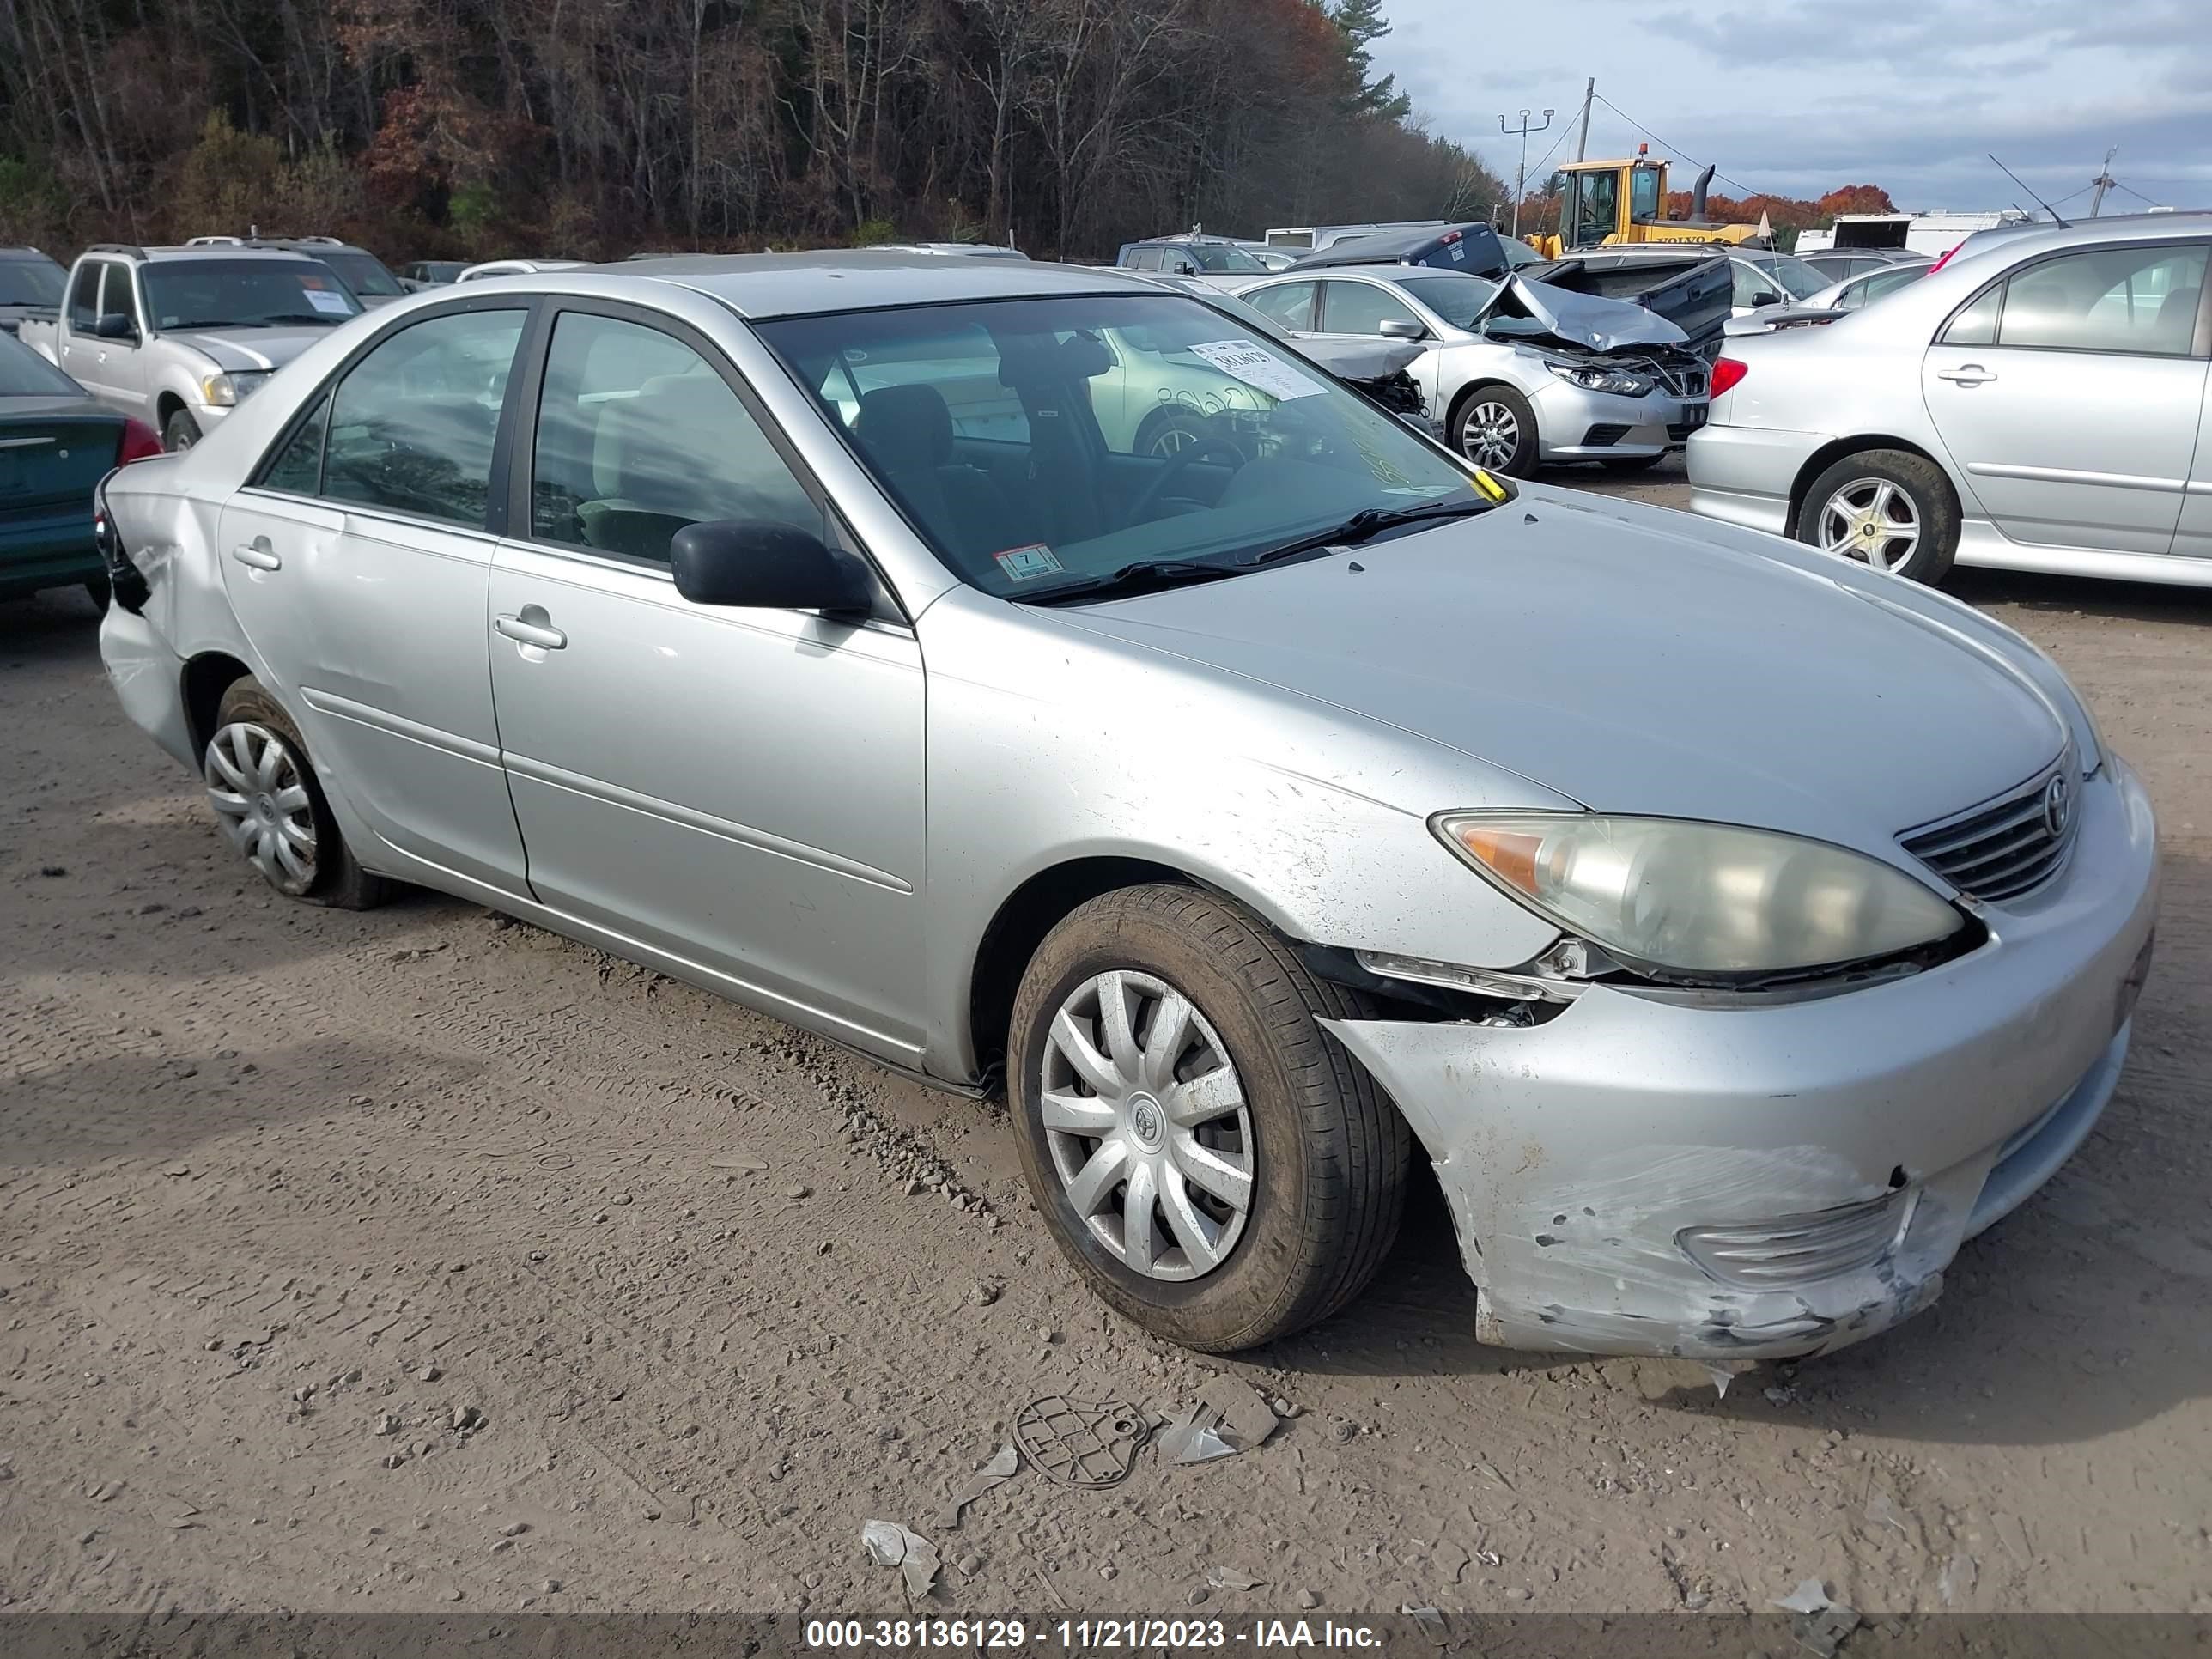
(2029, 240)
(765, 285)
(209, 251)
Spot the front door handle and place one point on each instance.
(1965, 374)
(258, 554)
(532, 633)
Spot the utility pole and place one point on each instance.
(2104, 181)
(1521, 175)
(1582, 139)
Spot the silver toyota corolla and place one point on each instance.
(2036, 403)
(1734, 930)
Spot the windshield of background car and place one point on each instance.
(245, 293)
(24, 374)
(363, 273)
(1458, 299)
(1213, 258)
(1798, 279)
(30, 283)
(1035, 442)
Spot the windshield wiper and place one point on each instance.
(1365, 524)
(1144, 576)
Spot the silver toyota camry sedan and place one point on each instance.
(1734, 930)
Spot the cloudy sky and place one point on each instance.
(1797, 97)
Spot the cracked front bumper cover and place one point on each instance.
(1574, 1153)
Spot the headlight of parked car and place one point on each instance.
(1700, 899)
(1616, 380)
(222, 390)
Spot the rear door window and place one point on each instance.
(85, 296)
(413, 425)
(2135, 299)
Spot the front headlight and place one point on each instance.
(1618, 382)
(1700, 898)
(222, 391)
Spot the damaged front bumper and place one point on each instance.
(1640, 1175)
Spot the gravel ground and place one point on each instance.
(419, 1260)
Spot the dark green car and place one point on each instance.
(56, 444)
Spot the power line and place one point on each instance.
(2137, 194)
(1663, 144)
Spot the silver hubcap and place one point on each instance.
(1489, 435)
(261, 803)
(1872, 520)
(1145, 1120)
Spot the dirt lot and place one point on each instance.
(287, 1195)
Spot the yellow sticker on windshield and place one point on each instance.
(1488, 485)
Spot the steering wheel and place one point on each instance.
(1181, 463)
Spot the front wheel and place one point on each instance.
(180, 432)
(270, 808)
(1497, 431)
(1215, 1166)
(1887, 509)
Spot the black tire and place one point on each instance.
(1632, 463)
(1521, 463)
(1167, 432)
(100, 593)
(181, 431)
(1934, 508)
(1328, 1150)
(339, 882)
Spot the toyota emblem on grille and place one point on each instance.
(2057, 806)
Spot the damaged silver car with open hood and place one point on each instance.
(1734, 930)
(1514, 372)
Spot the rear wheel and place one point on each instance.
(1212, 1163)
(1497, 431)
(181, 431)
(268, 806)
(1886, 508)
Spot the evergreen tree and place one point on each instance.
(1361, 21)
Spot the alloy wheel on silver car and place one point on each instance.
(1491, 434)
(1146, 1123)
(1873, 521)
(259, 794)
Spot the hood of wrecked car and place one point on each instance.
(1634, 666)
(1591, 320)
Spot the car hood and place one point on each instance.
(1635, 666)
(249, 348)
(1591, 319)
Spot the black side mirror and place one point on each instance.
(1758, 300)
(114, 326)
(736, 562)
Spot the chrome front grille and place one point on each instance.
(2008, 848)
(1798, 1249)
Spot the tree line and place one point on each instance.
(595, 128)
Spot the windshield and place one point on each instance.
(30, 283)
(1213, 256)
(24, 374)
(245, 293)
(1458, 299)
(1801, 281)
(1035, 443)
(364, 273)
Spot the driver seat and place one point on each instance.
(907, 430)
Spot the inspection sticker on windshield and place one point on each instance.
(1024, 565)
(1256, 366)
(323, 300)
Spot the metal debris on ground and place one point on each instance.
(1247, 1419)
(1195, 1436)
(1816, 1624)
(1881, 1512)
(890, 1545)
(1427, 1618)
(1087, 1444)
(1956, 1582)
(1230, 1578)
(1002, 1468)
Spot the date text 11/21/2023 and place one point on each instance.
(1085, 1635)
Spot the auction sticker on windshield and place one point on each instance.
(323, 300)
(1257, 367)
(1024, 565)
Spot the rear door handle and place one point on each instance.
(258, 554)
(1965, 374)
(530, 633)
